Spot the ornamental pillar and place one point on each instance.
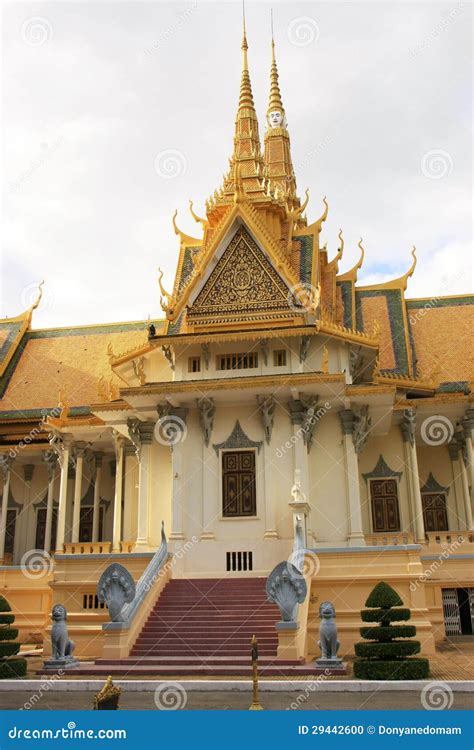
(171, 431)
(130, 487)
(78, 458)
(51, 460)
(119, 442)
(408, 427)
(5, 467)
(98, 456)
(460, 480)
(347, 417)
(209, 512)
(62, 445)
(141, 434)
(468, 428)
(301, 442)
(266, 407)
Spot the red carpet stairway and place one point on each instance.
(204, 627)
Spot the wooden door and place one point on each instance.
(238, 483)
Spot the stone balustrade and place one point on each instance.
(87, 548)
(389, 539)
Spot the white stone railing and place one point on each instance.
(389, 539)
(87, 548)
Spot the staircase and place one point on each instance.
(210, 617)
(205, 627)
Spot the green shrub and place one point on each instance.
(385, 616)
(9, 668)
(390, 650)
(8, 634)
(409, 669)
(386, 654)
(381, 633)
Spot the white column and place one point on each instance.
(98, 455)
(119, 441)
(270, 507)
(5, 466)
(50, 458)
(63, 446)
(356, 537)
(408, 434)
(461, 482)
(130, 498)
(300, 452)
(177, 497)
(145, 430)
(76, 516)
(468, 427)
(210, 511)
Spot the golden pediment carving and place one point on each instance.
(243, 284)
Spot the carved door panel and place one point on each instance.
(434, 511)
(10, 533)
(384, 502)
(41, 529)
(238, 483)
(85, 524)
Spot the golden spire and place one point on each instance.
(277, 156)
(275, 103)
(246, 164)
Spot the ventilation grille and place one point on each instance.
(91, 601)
(239, 561)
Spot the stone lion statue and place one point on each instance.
(62, 647)
(328, 642)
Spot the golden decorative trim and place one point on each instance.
(229, 383)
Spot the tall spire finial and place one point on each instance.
(277, 158)
(275, 104)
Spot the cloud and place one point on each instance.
(383, 85)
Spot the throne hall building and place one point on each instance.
(277, 393)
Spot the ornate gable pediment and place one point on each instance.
(244, 286)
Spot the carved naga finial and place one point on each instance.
(166, 299)
(358, 265)
(323, 216)
(39, 296)
(203, 222)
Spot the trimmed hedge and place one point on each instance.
(12, 668)
(382, 595)
(386, 654)
(385, 615)
(410, 669)
(381, 633)
(8, 634)
(9, 668)
(390, 650)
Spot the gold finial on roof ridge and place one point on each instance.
(39, 296)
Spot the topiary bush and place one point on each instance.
(387, 653)
(9, 667)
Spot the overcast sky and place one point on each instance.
(115, 114)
